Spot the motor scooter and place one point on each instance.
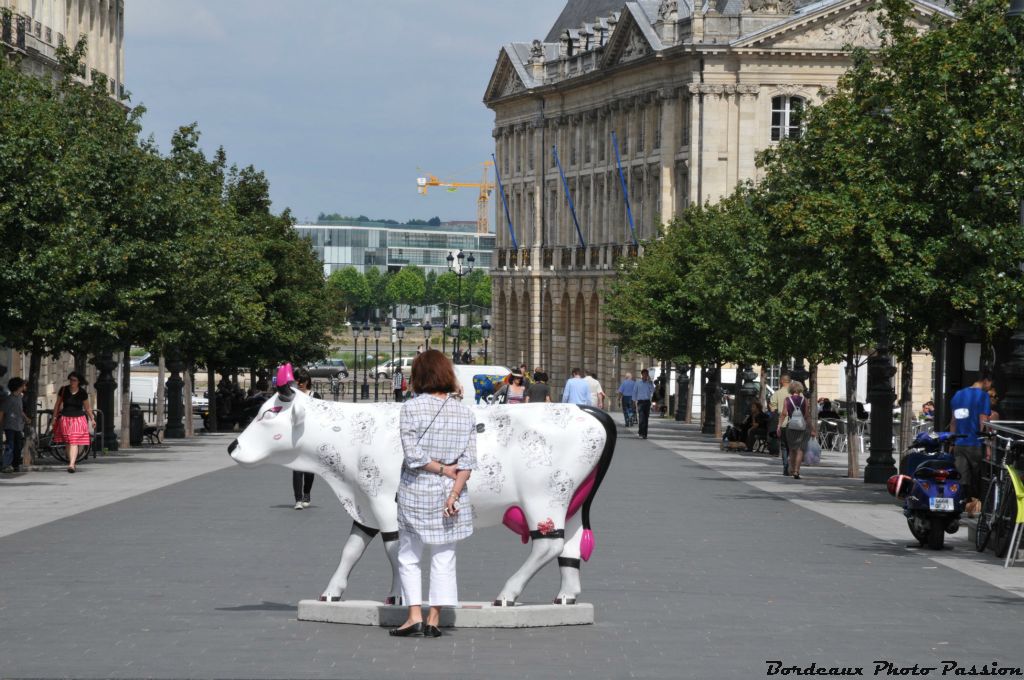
(929, 485)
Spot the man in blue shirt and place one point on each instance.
(643, 391)
(576, 391)
(626, 392)
(971, 409)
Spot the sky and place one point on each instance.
(342, 103)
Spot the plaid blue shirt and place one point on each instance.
(643, 390)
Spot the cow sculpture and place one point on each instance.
(539, 468)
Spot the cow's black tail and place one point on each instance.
(603, 463)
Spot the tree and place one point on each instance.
(407, 286)
(347, 291)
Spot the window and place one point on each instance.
(657, 126)
(787, 117)
(641, 132)
(529, 151)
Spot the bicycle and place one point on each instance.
(998, 516)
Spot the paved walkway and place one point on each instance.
(699, 572)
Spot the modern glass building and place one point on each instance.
(389, 247)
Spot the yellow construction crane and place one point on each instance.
(485, 186)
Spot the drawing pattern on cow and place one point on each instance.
(540, 466)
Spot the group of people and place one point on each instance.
(73, 420)
(637, 396)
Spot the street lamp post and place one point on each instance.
(880, 465)
(455, 327)
(400, 332)
(376, 358)
(364, 393)
(427, 331)
(485, 330)
(355, 358)
(464, 267)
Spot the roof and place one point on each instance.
(579, 12)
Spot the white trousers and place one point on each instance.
(444, 591)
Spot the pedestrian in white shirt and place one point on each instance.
(596, 393)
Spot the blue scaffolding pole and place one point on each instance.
(568, 196)
(504, 203)
(625, 189)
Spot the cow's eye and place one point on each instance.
(270, 413)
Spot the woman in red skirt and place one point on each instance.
(69, 417)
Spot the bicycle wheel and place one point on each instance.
(986, 519)
(1004, 520)
(58, 451)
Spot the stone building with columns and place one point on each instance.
(672, 102)
(37, 27)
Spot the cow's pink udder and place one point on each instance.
(581, 493)
(515, 520)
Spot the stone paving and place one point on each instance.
(707, 565)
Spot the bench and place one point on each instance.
(151, 433)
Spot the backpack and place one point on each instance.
(796, 418)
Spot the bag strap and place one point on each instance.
(433, 419)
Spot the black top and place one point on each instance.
(538, 393)
(73, 404)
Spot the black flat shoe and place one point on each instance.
(408, 631)
(71, 470)
(432, 631)
(796, 476)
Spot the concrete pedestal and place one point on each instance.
(468, 615)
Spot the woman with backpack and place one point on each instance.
(797, 425)
(398, 384)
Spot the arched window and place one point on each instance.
(787, 117)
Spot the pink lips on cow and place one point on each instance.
(277, 436)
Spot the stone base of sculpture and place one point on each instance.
(468, 615)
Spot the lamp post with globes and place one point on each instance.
(400, 332)
(376, 358)
(455, 328)
(485, 330)
(355, 357)
(461, 265)
(364, 392)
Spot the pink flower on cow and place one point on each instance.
(546, 527)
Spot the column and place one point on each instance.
(748, 141)
(105, 386)
(669, 103)
(175, 428)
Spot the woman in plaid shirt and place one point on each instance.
(439, 441)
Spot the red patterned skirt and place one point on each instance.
(73, 430)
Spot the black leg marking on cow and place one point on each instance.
(389, 536)
(366, 530)
(557, 533)
(569, 562)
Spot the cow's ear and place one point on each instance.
(298, 412)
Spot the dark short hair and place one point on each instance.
(77, 376)
(985, 374)
(302, 377)
(540, 376)
(577, 371)
(644, 371)
(432, 371)
(14, 384)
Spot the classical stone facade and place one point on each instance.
(682, 100)
(37, 27)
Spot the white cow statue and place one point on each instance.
(539, 468)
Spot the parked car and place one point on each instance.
(328, 368)
(146, 360)
(387, 369)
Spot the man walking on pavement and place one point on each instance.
(775, 404)
(576, 391)
(626, 393)
(643, 391)
(972, 408)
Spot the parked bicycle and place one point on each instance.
(998, 516)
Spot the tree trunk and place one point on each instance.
(211, 413)
(852, 442)
(906, 401)
(763, 391)
(703, 393)
(81, 358)
(813, 393)
(161, 392)
(35, 363)
(190, 428)
(124, 440)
